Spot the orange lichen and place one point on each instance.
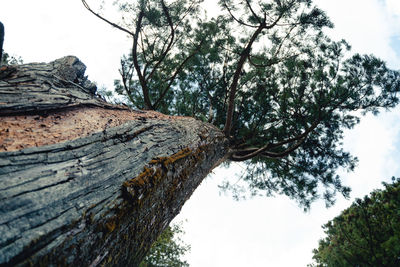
(140, 179)
(111, 226)
(149, 194)
(168, 160)
(141, 186)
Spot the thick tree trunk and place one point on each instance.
(86, 183)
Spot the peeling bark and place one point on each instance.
(100, 197)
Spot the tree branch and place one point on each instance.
(177, 71)
(236, 19)
(233, 88)
(252, 11)
(106, 20)
(142, 80)
(236, 76)
(171, 38)
(265, 150)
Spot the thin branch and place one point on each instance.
(189, 9)
(284, 39)
(172, 78)
(171, 38)
(236, 19)
(134, 51)
(265, 150)
(274, 23)
(106, 20)
(252, 11)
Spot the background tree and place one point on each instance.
(168, 249)
(10, 60)
(6, 59)
(266, 74)
(365, 234)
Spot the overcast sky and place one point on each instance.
(222, 232)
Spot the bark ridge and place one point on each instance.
(98, 199)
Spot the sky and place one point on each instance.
(222, 232)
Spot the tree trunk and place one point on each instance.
(84, 182)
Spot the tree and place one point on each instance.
(10, 59)
(5, 58)
(84, 182)
(263, 72)
(168, 249)
(157, 29)
(365, 234)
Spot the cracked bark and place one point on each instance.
(94, 197)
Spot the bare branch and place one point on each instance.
(106, 20)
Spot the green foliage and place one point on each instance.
(266, 74)
(167, 250)
(6, 59)
(163, 43)
(365, 234)
(10, 60)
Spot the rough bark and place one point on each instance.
(40, 87)
(100, 197)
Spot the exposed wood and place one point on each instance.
(99, 197)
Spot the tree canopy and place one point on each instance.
(167, 250)
(365, 234)
(266, 74)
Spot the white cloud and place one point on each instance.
(393, 6)
(376, 143)
(365, 24)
